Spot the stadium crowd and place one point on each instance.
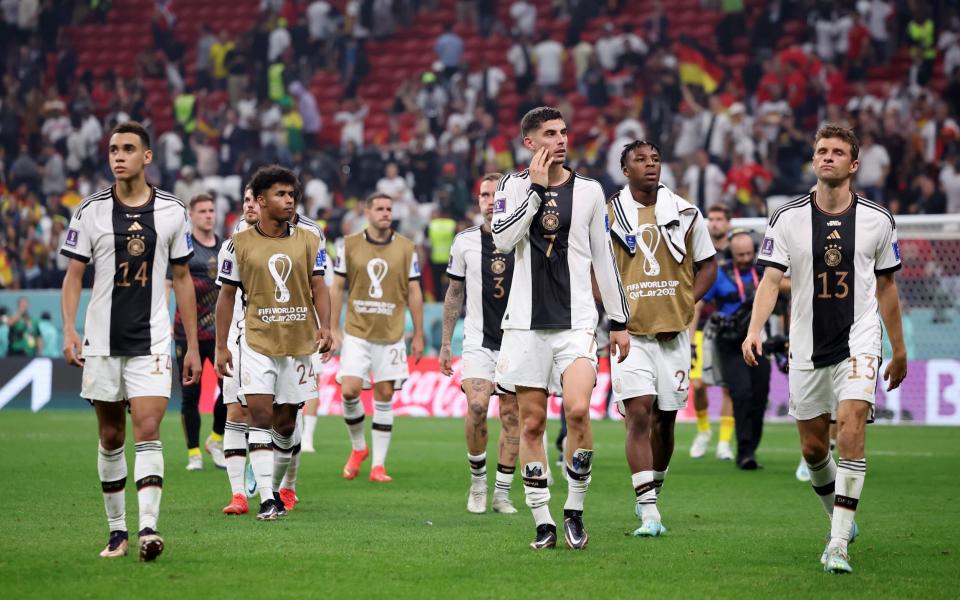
(735, 115)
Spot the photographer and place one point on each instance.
(733, 293)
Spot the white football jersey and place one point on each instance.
(131, 249)
(487, 274)
(558, 233)
(834, 260)
(240, 300)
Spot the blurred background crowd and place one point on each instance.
(418, 98)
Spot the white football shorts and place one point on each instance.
(117, 378)
(289, 379)
(373, 361)
(815, 392)
(538, 358)
(654, 368)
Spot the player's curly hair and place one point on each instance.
(842, 133)
(537, 117)
(266, 177)
(633, 146)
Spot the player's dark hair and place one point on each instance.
(842, 133)
(633, 146)
(368, 201)
(492, 177)
(200, 198)
(537, 117)
(718, 207)
(134, 128)
(266, 177)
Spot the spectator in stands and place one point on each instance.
(449, 50)
(54, 172)
(703, 182)
(4, 318)
(24, 170)
(487, 80)
(188, 185)
(49, 338)
(279, 41)
(874, 168)
(950, 182)
(24, 335)
(520, 57)
(440, 233)
(432, 100)
(922, 43)
(307, 105)
(925, 198)
(548, 57)
(351, 117)
(204, 64)
(524, 15)
(877, 14)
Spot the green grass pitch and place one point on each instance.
(731, 533)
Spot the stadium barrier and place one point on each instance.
(930, 395)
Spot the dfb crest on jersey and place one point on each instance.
(498, 265)
(212, 267)
(73, 236)
(550, 221)
(832, 255)
(766, 248)
(135, 245)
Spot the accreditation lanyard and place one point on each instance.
(739, 282)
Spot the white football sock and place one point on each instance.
(646, 491)
(235, 454)
(382, 431)
(504, 480)
(261, 460)
(822, 478)
(578, 478)
(536, 492)
(148, 472)
(850, 476)
(478, 467)
(112, 467)
(353, 417)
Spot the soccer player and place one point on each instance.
(482, 274)
(556, 221)
(203, 270)
(280, 268)
(131, 232)
(842, 251)
(238, 418)
(381, 270)
(237, 426)
(705, 369)
(666, 262)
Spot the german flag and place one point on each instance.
(695, 67)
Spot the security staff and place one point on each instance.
(732, 293)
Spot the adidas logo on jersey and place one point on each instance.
(135, 227)
(552, 199)
(834, 235)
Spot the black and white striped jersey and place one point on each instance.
(487, 274)
(558, 234)
(131, 249)
(834, 260)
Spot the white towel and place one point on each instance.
(668, 211)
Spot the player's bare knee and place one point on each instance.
(112, 436)
(533, 426)
(477, 409)
(578, 414)
(814, 450)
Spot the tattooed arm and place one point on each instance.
(452, 304)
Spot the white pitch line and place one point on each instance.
(869, 452)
